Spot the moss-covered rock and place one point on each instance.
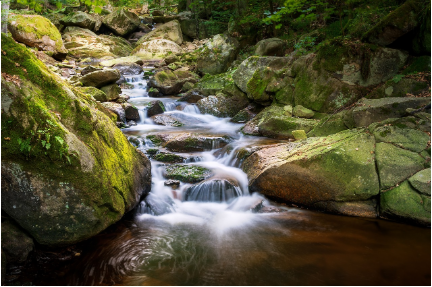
(270, 47)
(170, 83)
(395, 164)
(97, 94)
(156, 49)
(37, 31)
(16, 243)
(402, 88)
(168, 157)
(155, 108)
(168, 31)
(337, 168)
(189, 142)
(302, 112)
(404, 202)
(79, 19)
(100, 78)
(396, 24)
(299, 134)
(421, 181)
(117, 109)
(83, 43)
(218, 54)
(122, 22)
(112, 92)
(67, 171)
(330, 124)
(187, 173)
(368, 111)
(122, 60)
(166, 120)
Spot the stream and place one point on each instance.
(209, 234)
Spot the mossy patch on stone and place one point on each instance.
(187, 173)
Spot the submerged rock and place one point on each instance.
(85, 179)
(37, 31)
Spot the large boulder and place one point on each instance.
(83, 43)
(156, 49)
(97, 94)
(67, 171)
(37, 31)
(168, 31)
(223, 105)
(189, 142)
(122, 60)
(117, 109)
(79, 19)
(100, 78)
(270, 47)
(336, 173)
(170, 83)
(399, 22)
(122, 22)
(218, 54)
(16, 243)
(111, 91)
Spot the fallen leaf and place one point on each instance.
(7, 139)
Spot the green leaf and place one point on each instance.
(43, 143)
(59, 140)
(47, 146)
(98, 9)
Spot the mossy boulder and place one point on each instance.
(336, 169)
(368, 111)
(168, 31)
(223, 105)
(155, 108)
(67, 171)
(128, 69)
(16, 243)
(399, 22)
(170, 83)
(187, 173)
(270, 47)
(156, 49)
(97, 94)
(330, 124)
(117, 109)
(55, 19)
(122, 22)
(302, 112)
(401, 88)
(122, 60)
(218, 54)
(112, 91)
(83, 43)
(168, 157)
(37, 31)
(395, 165)
(79, 19)
(100, 78)
(405, 203)
(276, 122)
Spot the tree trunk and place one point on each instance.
(4, 15)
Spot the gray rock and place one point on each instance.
(79, 19)
(122, 22)
(112, 92)
(155, 108)
(100, 78)
(16, 243)
(116, 109)
(131, 112)
(270, 47)
(128, 68)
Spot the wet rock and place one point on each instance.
(212, 190)
(188, 142)
(337, 168)
(68, 187)
(253, 204)
(369, 111)
(187, 86)
(83, 43)
(395, 164)
(187, 173)
(122, 22)
(97, 94)
(191, 97)
(131, 123)
(218, 54)
(80, 19)
(166, 120)
(131, 112)
(156, 49)
(112, 91)
(37, 31)
(116, 109)
(128, 68)
(270, 47)
(15, 243)
(155, 108)
(168, 157)
(154, 93)
(170, 83)
(158, 205)
(169, 31)
(122, 99)
(243, 116)
(100, 78)
(405, 203)
(223, 105)
(172, 182)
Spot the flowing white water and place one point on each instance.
(223, 199)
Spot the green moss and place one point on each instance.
(156, 140)
(419, 64)
(168, 157)
(187, 173)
